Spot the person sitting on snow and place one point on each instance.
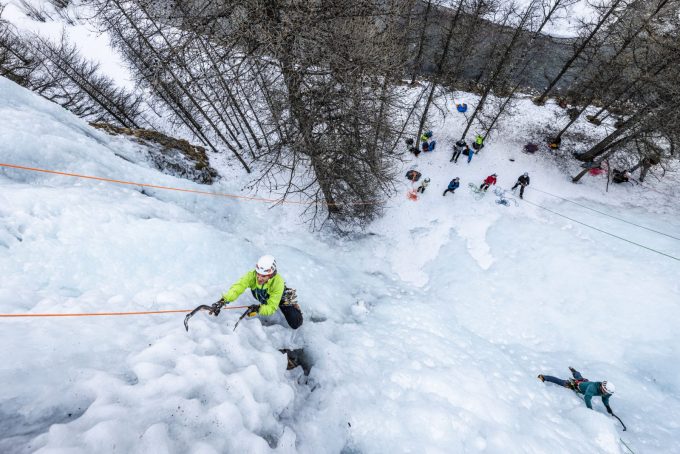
(620, 176)
(589, 389)
(457, 150)
(411, 148)
(469, 153)
(453, 185)
(478, 143)
(428, 143)
(269, 289)
(423, 185)
(488, 181)
(522, 181)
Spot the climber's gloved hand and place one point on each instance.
(253, 310)
(217, 306)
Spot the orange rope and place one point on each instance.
(93, 314)
(169, 188)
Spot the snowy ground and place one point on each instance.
(426, 333)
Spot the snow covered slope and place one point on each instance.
(71, 22)
(426, 334)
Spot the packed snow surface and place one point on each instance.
(426, 333)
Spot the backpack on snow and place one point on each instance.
(413, 175)
(531, 148)
(619, 176)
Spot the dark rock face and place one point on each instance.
(175, 157)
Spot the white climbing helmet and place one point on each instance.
(266, 265)
(526, 174)
(608, 387)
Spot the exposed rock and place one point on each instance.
(169, 155)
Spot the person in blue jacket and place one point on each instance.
(453, 185)
(589, 389)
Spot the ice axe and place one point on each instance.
(215, 310)
(202, 307)
(624, 426)
(251, 308)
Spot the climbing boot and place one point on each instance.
(289, 297)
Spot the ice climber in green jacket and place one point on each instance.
(589, 389)
(269, 289)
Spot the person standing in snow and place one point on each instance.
(453, 185)
(269, 289)
(488, 181)
(457, 150)
(589, 389)
(423, 185)
(522, 181)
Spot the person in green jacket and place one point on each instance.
(589, 389)
(478, 144)
(269, 289)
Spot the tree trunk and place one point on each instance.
(541, 99)
(558, 137)
(166, 95)
(646, 165)
(586, 170)
(180, 85)
(607, 142)
(500, 66)
(416, 61)
(663, 66)
(435, 79)
(592, 83)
